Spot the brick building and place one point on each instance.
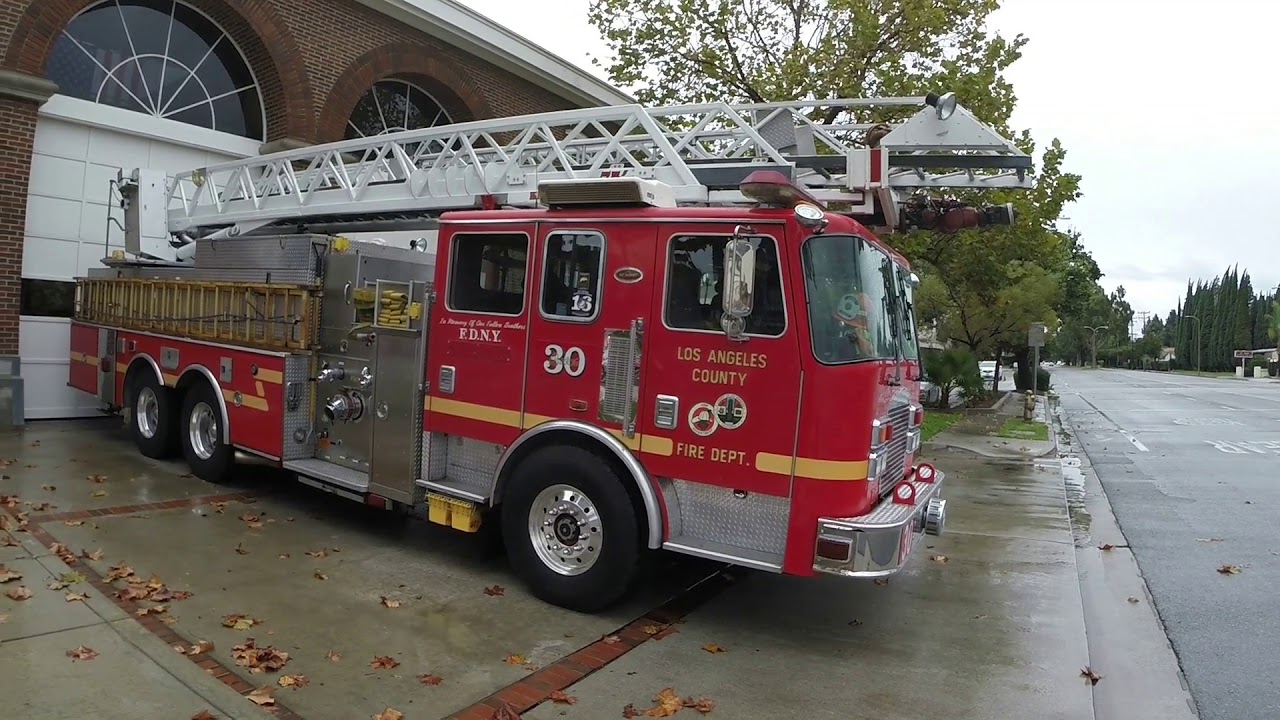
(88, 87)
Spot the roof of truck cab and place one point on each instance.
(836, 223)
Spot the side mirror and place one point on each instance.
(739, 284)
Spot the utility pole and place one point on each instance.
(1095, 330)
(1199, 349)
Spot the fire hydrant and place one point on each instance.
(1028, 406)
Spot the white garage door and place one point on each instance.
(79, 147)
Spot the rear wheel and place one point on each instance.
(570, 528)
(150, 409)
(201, 431)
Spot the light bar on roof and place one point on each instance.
(605, 191)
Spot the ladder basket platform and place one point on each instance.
(278, 317)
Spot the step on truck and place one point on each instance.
(634, 328)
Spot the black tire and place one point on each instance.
(156, 435)
(614, 567)
(213, 460)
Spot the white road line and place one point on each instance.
(1136, 442)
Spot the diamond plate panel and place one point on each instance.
(435, 456)
(706, 512)
(283, 276)
(272, 252)
(472, 463)
(299, 406)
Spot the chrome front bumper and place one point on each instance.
(879, 543)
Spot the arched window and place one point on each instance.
(159, 57)
(393, 106)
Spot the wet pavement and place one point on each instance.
(986, 622)
(1189, 466)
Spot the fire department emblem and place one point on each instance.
(702, 419)
(731, 411)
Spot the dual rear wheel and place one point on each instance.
(165, 422)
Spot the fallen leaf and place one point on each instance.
(259, 659)
(495, 591)
(320, 576)
(506, 712)
(561, 697)
(96, 478)
(73, 597)
(239, 622)
(1230, 569)
(938, 558)
(64, 553)
(218, 507)
(668, 630)
(1107, 547)
(1133, 599)
(98, 493)
(263, 696)
(651, 629)
(702, 705)
(668, 704)
(612, 640)
(4, 619)
(293, 681)
(317, 553)
(119, 572)
(284, 556)
(73, 523)
(333, 656)
(19, 593)
(153, 610)
(48, 488)
(7, 575)
(9, 541)
(713, 648)
(429, 679)
(82, 653)
(881, 581)
(240, 549)
(200, 648)
(39, 507)
(203, 715)
(249, 517)
(391, 714)
(854, 623)
(1091, 675)
(388, 602)
(514, 659)
(630, 711)
(95, 555)
(383, 662)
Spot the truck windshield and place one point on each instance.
(848, 281)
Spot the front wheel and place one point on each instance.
(570, 528)
(208, 456)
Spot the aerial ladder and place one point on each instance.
(891, 175)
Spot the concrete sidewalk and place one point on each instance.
(984, 623)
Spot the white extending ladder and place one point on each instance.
(702, 151)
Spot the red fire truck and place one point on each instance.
(640, 329)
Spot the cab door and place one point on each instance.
(729, 406)
(475, 368)
(592, 289)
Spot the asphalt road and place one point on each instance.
(1191, 467)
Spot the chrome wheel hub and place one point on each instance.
(147, 412)
(565, 529)
(202, 430)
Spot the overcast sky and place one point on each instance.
(1167, 109)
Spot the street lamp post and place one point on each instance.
(1094, 331)
(1199, 349)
